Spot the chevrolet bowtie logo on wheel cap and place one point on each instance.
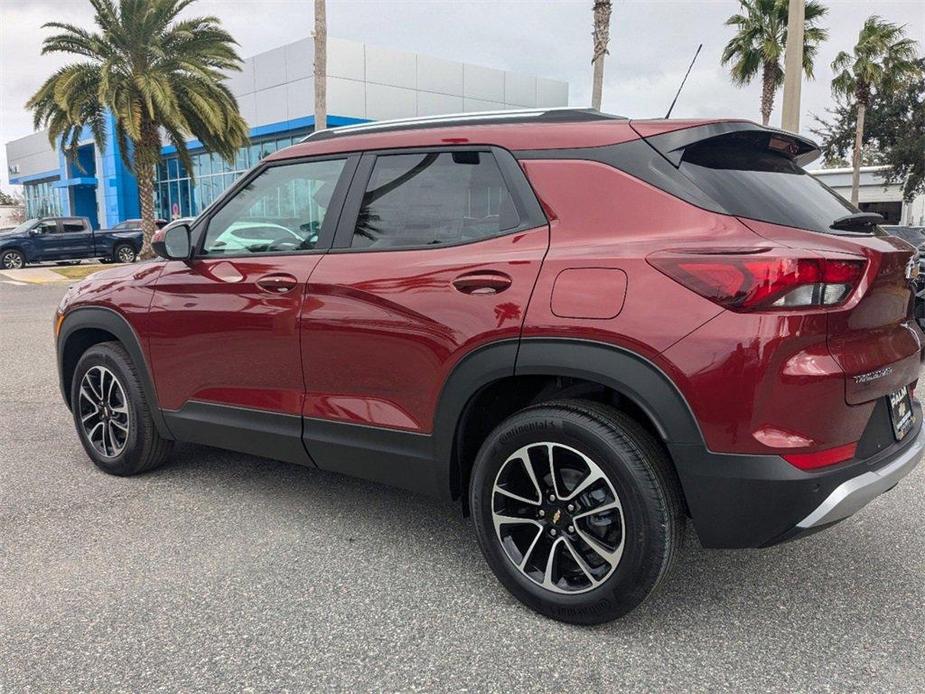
(557, 515)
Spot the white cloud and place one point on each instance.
(651, 45)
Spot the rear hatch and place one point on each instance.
(873, 336)
(756, 174)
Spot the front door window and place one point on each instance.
(280, 211)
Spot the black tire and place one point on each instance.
(12, 259)
(124, 253)
(637, 468)
(142, 447)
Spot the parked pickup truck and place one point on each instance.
(69, 238)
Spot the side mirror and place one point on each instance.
(173, 242)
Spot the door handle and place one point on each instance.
(484, 282)
(277, 284)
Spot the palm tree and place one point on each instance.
(601, 35)
(759, 43)
(882, 60)
(152, 71)
(321, 65)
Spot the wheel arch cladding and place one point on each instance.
(539, 361)
(620, 369)
(87, 326)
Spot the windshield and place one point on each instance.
(22, 227)
(748, 178)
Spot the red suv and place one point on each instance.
(585, 329)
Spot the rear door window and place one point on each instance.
(747, 177)
(433, 199)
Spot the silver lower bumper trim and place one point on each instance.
(851, 496)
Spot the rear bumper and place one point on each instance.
(755, 501)
(854, 494)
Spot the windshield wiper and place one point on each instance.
(856, 221)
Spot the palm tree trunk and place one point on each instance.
(767, 92)
(146, 196)
(321, 65)
(601, 34)
(856, 156)
(147, 153)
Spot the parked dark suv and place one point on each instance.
(583, 328)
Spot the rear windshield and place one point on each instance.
(745, 176)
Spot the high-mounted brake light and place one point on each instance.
(749, 282)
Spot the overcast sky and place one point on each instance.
(651, 45)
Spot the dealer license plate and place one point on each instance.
(901, 412)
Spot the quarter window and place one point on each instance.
(433, 198)
(280, 211)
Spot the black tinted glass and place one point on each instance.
(748, 178)
(432, 199)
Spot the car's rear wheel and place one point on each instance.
(576, 510)
(112, 417)
(124, 253)
(12, 260)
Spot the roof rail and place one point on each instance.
(560, 114)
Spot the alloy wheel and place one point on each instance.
(558, 517)
(12, 261)
(126, 255)
(103, 410)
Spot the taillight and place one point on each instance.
(747, 282)
(830, 456)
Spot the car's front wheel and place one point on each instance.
(576, 510)
(112, 417)
(12, 260)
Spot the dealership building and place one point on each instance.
(275, 92)
(875, 194)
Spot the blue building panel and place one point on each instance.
(32, 178)
(119, 196)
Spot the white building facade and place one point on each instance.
(275, 92)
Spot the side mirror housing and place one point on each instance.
(173, 242)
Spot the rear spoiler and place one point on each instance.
(672, 144)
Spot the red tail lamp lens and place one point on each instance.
(750, 282)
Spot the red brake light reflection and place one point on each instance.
(830, 456)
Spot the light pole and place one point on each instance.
(321, 65)
(793, 66)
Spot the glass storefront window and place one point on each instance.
(240, 160)
(42, 200)
(212, 176)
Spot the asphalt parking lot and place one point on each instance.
(229, 572)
